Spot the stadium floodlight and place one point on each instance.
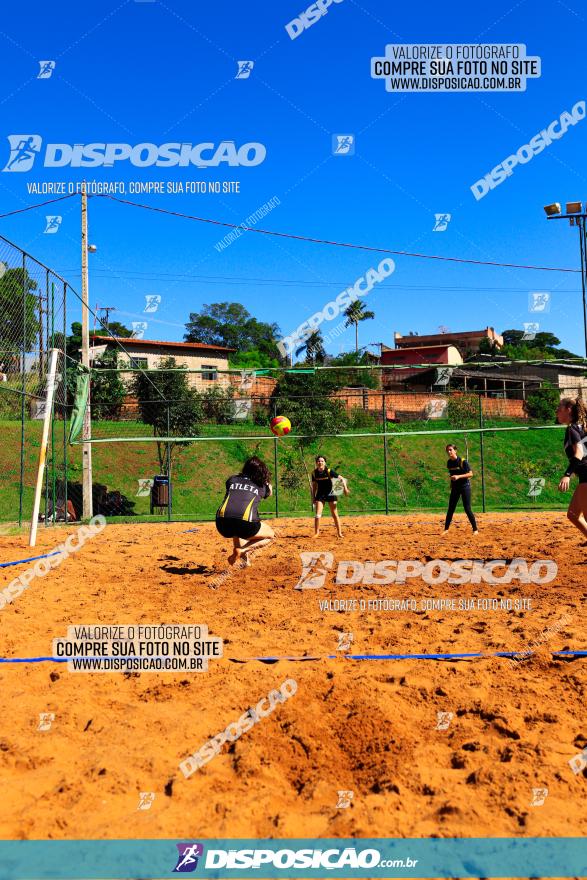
(576, 216)
(552, 210)
(574, 207)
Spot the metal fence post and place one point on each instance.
(23, 389)
(168, 467)
(65, 400)
(481, 433)
(275, 464)
(384, 414)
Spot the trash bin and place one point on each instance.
(161, 492)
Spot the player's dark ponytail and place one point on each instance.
(578, 410)
(256, 471)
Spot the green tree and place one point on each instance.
(252, 360)
(542, 403)
(313, 347)
(306, 399)
(19, 317)
(107, 391)
(170, 406)
(231, 325)
(356, 313)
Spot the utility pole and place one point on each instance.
(106, 309)
(87, 425)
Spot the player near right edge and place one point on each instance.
(573, 414)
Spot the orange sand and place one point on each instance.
(365, 726)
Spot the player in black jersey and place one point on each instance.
(573, 414)
(460, 487)
(238, 517)
(322, 491)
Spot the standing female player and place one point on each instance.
(460, 487)
(573, 414)
(322, 478)
(238, 517)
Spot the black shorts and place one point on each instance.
(231, 527)
(325, 498)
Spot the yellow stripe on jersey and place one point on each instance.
(247, 513)
(223, 508)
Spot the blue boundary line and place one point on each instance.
(31, 559)
(465, 656)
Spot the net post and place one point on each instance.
(481, 448)
(44, 441)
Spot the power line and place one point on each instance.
(362, 247)
(39, 205)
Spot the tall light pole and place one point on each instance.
(88, 511)
(576, 216)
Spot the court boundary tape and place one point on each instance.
(31, 559)
(520, 655)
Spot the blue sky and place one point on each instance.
(155, 72)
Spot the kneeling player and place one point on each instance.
(238, 517)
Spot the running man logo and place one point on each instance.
(315, 567)
(539, 301)
(145, 487)
(53, 223)
(138, 329)
(187, 861)
(152, 302)
(244, 69)
(46, 69)
(578, 762)
(441, 222)
(46, 719)
(530, 331)
(539, 795)
(345, 641)
(146, 799)
(343, 145)
(24, 149)
(443, 720)
(536, 485)
(344, 799)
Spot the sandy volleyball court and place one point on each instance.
(369, 727)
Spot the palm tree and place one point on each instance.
(354, 314)
(313, 346)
